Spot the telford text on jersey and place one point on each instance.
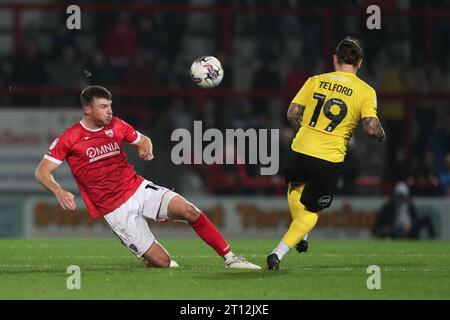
(336, 87)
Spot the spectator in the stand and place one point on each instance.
(180, 78)
(209, 114)
(222, 109)
(66, 72)
(152, 41)
(163, 74)
(424, 178)
(245, 117)
(268, 77)
(392, 110)
(297, 77)
(122, 41)
(445, 84)
(61, 39)
(139, 72)
(138, 75)
(175, 115)
(31, 31)
(268, 30)
(444, 176)
(29, 70)
(399, 217)
(227, 82)
(424, 77)
(400, 167)
(439, 142)
(225, 178)
(433, 74)
(100, 72)
(3, 70)
(180, 114)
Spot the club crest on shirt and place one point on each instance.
(109, 133)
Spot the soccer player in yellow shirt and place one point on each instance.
(324, 114)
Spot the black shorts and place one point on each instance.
(319, 176)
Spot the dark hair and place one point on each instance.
(349, 51)
(89, 93)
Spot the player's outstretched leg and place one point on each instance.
(302, 222)
(158, 257)
(180, 209)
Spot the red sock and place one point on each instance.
(206, 230)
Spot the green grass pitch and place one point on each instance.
(331, 269)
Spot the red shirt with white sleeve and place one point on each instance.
(98, 163)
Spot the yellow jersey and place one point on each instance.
(334, 103)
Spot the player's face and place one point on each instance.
(100, 111)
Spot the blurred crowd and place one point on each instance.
(268, 53)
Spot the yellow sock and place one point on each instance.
(302, 220)
(293, 196)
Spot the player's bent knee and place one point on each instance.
(161, 261)
(181, 209)
(191, 213)
(157, 255)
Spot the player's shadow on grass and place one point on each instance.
(243, 274)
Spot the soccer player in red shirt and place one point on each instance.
(112, 189)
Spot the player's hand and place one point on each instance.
(382, 137)
(146, 151)
(65, 199)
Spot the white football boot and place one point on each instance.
(236, 262)
(173, 264)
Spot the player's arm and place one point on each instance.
(145, 148)
(297, 106)
(44, 175)
(138, 140)
(369, 117)
(295, 115)
(373, 128)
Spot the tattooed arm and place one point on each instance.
(295, 115)
(373, 128)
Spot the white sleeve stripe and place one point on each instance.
(52, 159)
(138, 139)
